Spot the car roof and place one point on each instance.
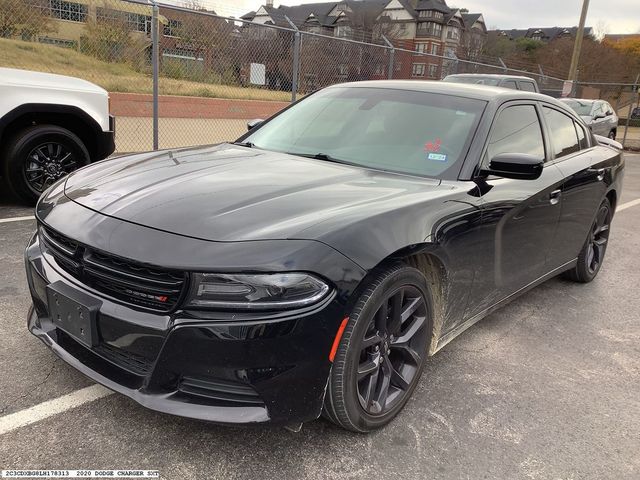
(479, 92)
(491, 75)
(586, 100)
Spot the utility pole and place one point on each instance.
(577, 46)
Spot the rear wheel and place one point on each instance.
(592, 254)
(38, 156)
(382, 351)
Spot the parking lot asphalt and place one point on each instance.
(546, 388)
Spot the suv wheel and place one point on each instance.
(40, 155)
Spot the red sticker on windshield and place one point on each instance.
(433, 146)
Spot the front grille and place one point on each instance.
(222, 391)
(133, 283)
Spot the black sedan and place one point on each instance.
(313, 266)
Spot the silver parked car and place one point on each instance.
(597, 114)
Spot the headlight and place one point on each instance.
(255, 292)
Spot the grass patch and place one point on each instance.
(116, 77)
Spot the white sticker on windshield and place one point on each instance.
(438, 157)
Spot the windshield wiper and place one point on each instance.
(244, 144)
(318, 156)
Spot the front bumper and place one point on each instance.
(261, 368)
(106, 141)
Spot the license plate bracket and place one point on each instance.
(74, 312)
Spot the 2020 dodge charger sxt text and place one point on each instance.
(314, 265)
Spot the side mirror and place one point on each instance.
(251, 124)
(519, 166)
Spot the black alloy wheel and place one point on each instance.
(382, 351)
(38, 156)
(392, 350)
(597, 243)
(46, 164)
(591, 256)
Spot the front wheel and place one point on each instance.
(592, 254)
(382, 351)
(612, 134)
(38, 156)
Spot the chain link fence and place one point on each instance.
(180, 77)
(624, 98)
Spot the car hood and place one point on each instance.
(233, 193)
(587, 119)
(27, 78)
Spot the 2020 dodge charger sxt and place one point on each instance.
(314, 265)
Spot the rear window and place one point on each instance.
(527, 86)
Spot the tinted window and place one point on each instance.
(399, 130)
(516, 130)
(509, 84)
(527, 86)
(562, 131)
(582, 138)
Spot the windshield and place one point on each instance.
(398, 130)
(580, 107)
(493, 82)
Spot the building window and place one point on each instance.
(418, 69)
(453, 33)
(135, 21)
(172, 28)
(429, 29)
(431, 14)
(433, 71)
(74, 12)
(421, 47)
(434, 49)
(342, 31)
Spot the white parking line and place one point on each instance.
(630, 204)
(16, 219)
(50, 408)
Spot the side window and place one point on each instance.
(608, 109)
(510, 84)
(563, 133)
(598, 110)
(527, 87)
(582, 137)
(516, 130)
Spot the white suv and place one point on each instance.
(50, 125)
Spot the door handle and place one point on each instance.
(554, 197)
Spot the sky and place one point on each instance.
(607, 16)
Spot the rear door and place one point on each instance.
(583, 187)
(519, 217)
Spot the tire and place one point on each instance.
(368, 341)
(28, 159)
(592, 254)
(612, 134)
